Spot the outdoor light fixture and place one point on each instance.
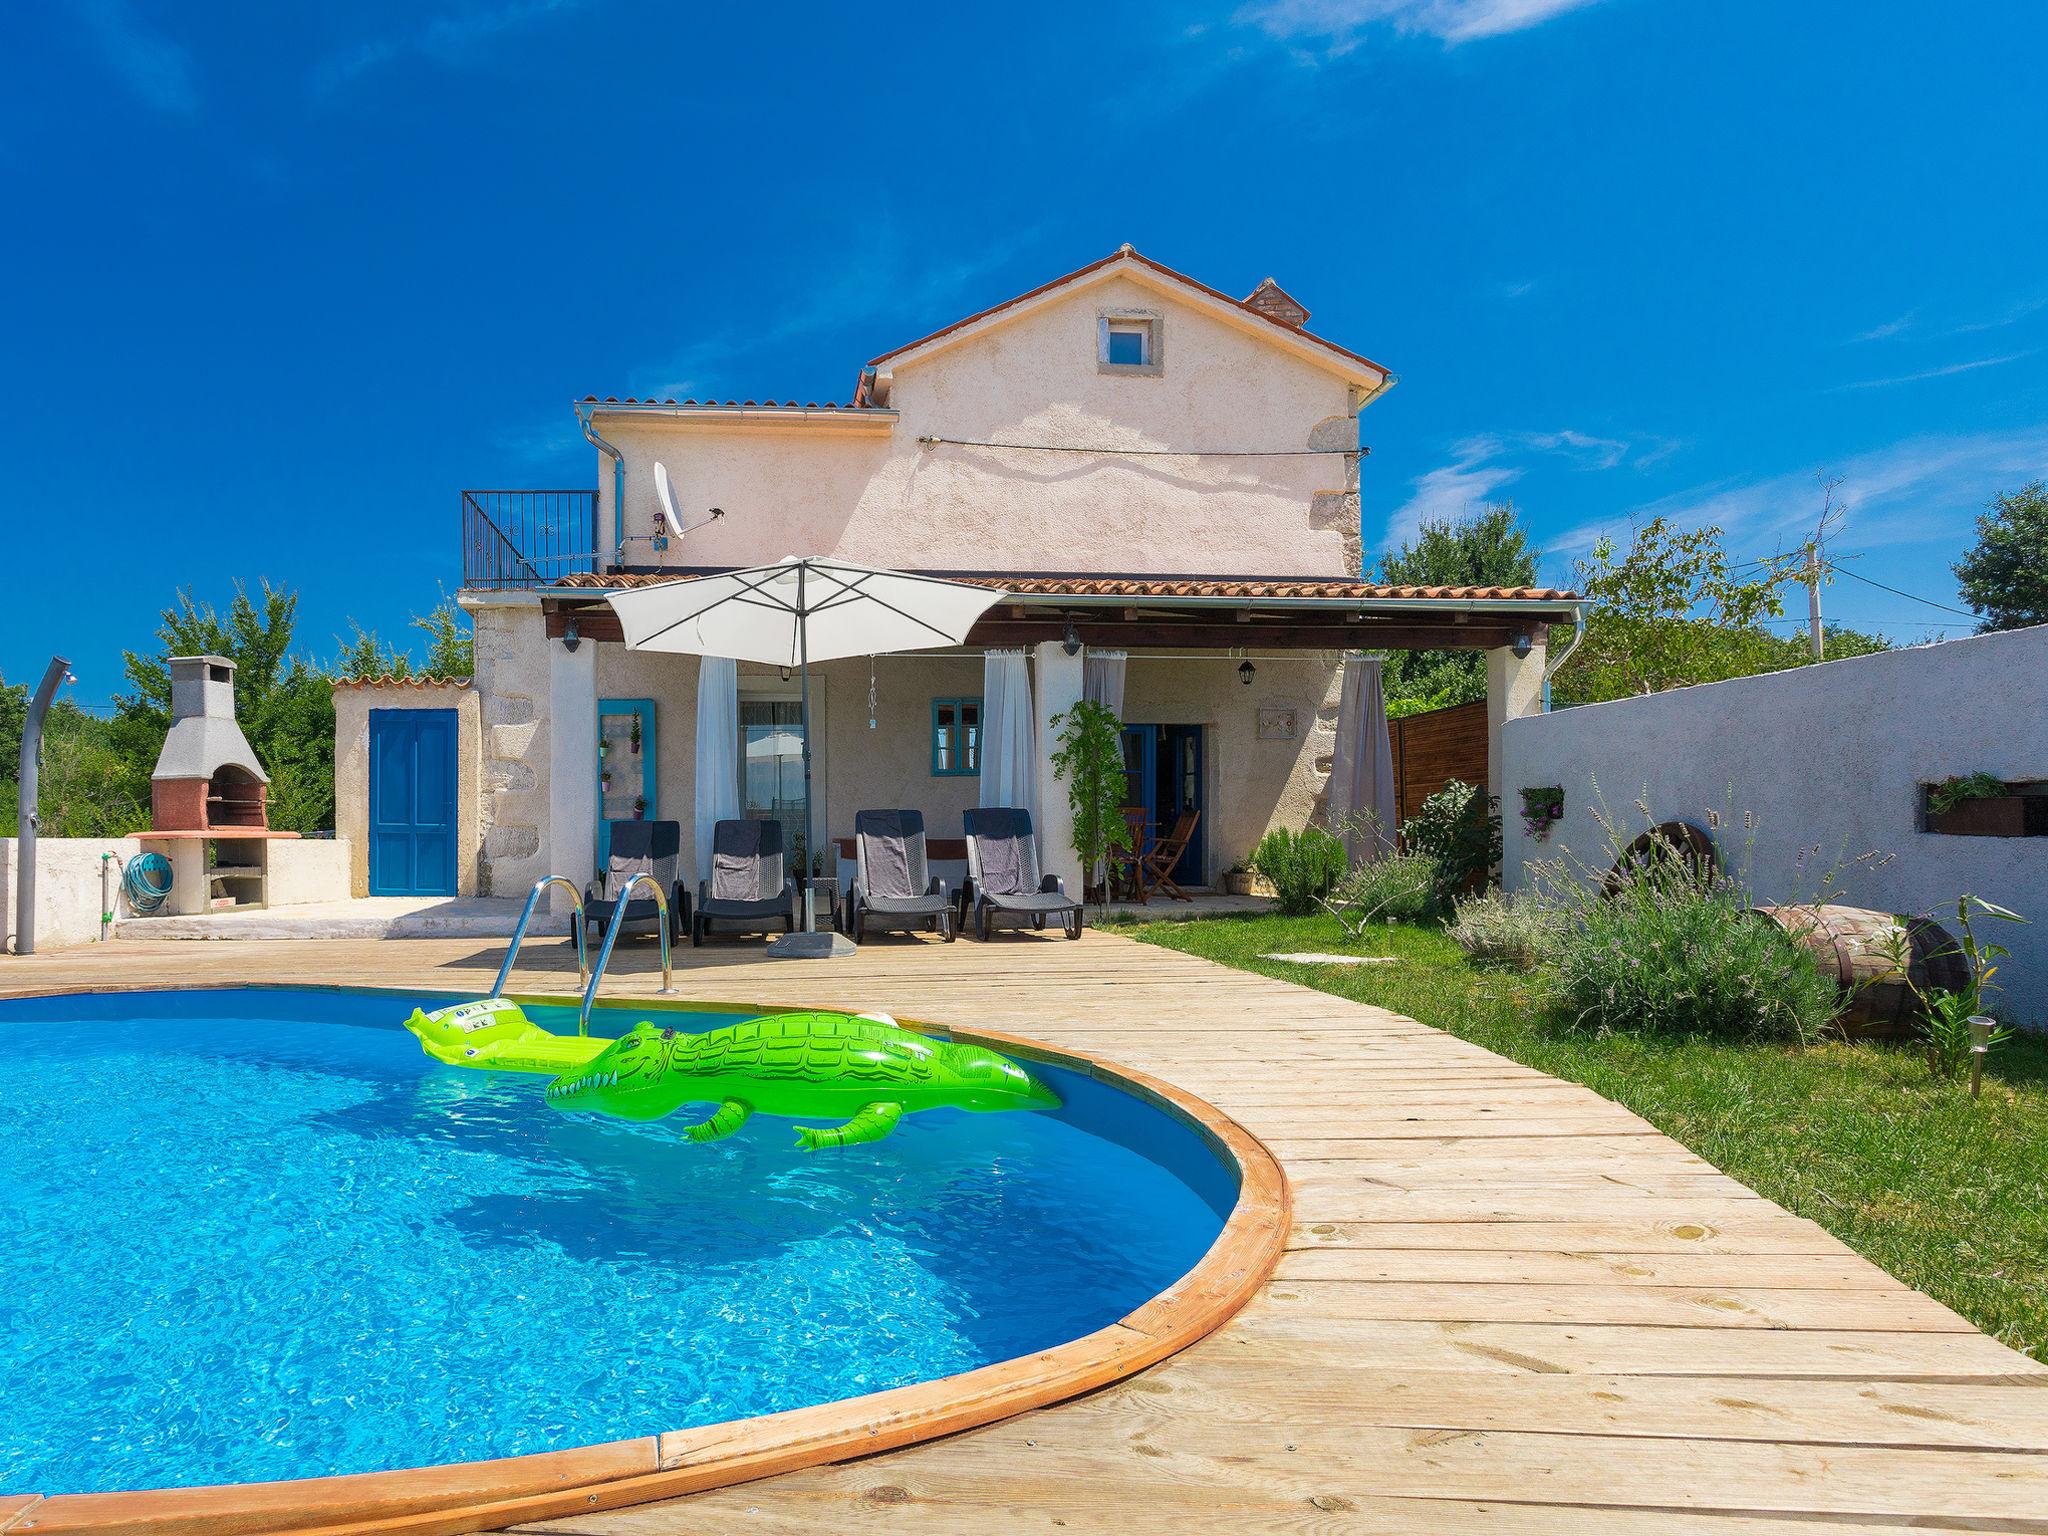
(1071, 642)
(1981, 1026)
(1523, 644)
(1246, 672)
(785, 673)
(570, 637)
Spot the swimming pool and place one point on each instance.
(256, 1234)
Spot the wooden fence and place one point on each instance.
(1432, 748)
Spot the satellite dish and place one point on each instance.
(667, 493)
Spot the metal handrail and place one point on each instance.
(611, 937)
(519, 933)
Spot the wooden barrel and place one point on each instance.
(1852, 946)
(1667, 840)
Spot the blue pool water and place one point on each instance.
(256, 1234)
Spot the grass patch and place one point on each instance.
(1949, 1195)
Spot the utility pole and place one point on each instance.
(1813, 597)
(1816, 565)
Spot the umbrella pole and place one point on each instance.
(803, 653)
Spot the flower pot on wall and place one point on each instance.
(1994, 816)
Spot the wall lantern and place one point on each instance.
(1523, 644)
(570, 637)
(1246, 672)
(1071, 641)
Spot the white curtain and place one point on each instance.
(1009, 770)
(1102, 680)
(718, 751)
(1362, 776)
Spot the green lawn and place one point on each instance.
(1949, 1195)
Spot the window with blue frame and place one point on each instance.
(956, 737)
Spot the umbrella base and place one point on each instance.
(812, 946)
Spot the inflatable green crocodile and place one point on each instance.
(864, 1070)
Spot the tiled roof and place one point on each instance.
(402, 682)
(727, 405)
(1161, 587)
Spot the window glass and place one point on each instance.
(956, 736)
(1127, 345)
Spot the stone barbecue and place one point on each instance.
(206, 778)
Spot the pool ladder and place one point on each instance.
(587, 975)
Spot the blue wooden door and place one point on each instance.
(412, 802)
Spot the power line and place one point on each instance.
(1896, 592)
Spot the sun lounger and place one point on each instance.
(892, 887)
(1003, 874)
(749, 889)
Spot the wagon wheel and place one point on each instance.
(1667, 841)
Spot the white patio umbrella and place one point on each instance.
(799, 610)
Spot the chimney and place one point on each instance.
(206, 778)
(1276, 303)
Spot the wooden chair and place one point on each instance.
(1121, 866)
(1155, 869)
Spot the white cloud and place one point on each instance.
(1482, 465)
(1937, 373)
(448, 39)
(155, 68)
(1888, 329)
(1446, 495)
(1920, 490)
(883, 276)
(1342, 22)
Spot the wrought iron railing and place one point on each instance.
(513, 539)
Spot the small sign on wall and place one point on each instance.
(1278, 724)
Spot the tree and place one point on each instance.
(1490, 548)
(451, 644)
(1669, 610)
(2005, 575)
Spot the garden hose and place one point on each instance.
(147, 880)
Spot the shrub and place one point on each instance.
(1670, 948)
(1396, 888)
(1301, 866)
(1517, 932)
(1458, 828)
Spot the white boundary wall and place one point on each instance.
(1828, 756)
(68, 881)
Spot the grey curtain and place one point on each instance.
(1362, 776)
(1102, 680)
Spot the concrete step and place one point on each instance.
(374, 917)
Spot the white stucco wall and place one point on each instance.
(68, 902)
(1829, 761)
(883, 498)
(68, 891)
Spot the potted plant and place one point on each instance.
(1542, 809)
(1237, 879)
(1983, 805)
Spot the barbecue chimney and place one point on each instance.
(206, 777)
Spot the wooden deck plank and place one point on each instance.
(1507, 1305)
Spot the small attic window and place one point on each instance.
(1130, 343)
(1127, 343)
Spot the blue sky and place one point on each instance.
(282, 281)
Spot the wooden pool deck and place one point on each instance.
(1507, 1305)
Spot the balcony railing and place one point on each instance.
(514, 539)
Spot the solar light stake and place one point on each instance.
(1980, 1047)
